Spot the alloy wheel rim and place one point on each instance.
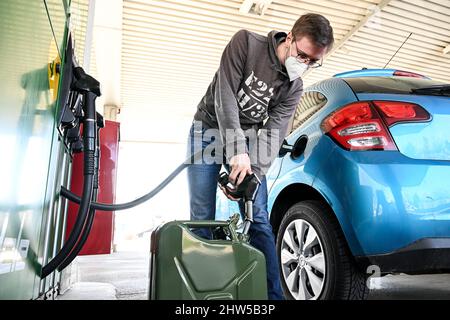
(303, 261)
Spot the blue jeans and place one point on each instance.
(202, 182)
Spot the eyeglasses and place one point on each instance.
(304, 58)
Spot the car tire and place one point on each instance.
(323, 267)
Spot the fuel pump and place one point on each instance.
(79, 107)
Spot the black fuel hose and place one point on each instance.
(91, 216)
(115, 207)
(84, 236)
(76, 231)
(89, 139)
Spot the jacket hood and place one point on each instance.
(275, 38)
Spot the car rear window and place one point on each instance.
(399, 85)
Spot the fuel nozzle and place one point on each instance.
(246, 190)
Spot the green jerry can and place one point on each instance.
(184, 266)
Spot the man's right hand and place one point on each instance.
(240, 167)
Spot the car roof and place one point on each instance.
(379, 73)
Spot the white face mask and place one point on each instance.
(294, 68)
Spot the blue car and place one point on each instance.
(361, 186)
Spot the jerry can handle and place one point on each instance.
(213, 224)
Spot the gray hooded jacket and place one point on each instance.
(251, 90)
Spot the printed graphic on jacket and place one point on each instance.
(254, 97)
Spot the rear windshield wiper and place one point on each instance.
(436, 90)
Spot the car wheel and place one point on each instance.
(315, 262)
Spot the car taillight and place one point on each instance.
(401, 73)
(364, 125)
(396, 111)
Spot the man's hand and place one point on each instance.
(225, 192)
(240, 167)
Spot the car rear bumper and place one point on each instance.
(429, 255)
(384, 200)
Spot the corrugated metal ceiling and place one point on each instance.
(171, 48)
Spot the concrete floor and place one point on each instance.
(124, 276)
(126, 272)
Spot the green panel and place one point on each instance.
(49, 234)
(57, 14)
(27, 137)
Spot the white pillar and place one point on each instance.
(107, 35)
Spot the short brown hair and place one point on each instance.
(316, 27)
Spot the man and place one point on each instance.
(250, 102)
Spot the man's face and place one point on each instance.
(305, 50)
